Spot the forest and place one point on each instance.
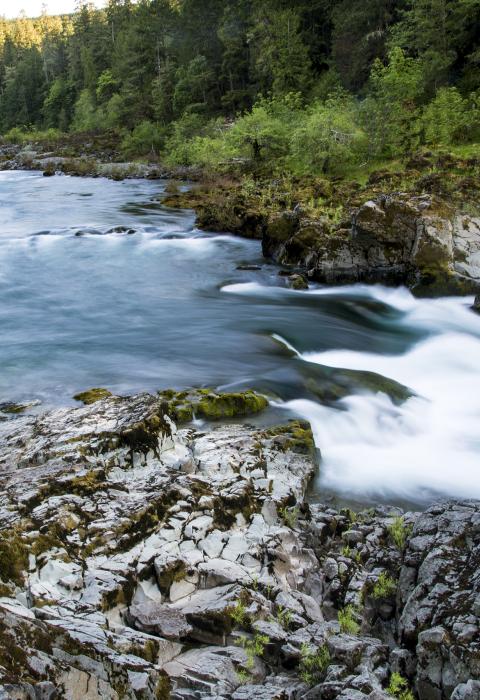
(300, 87)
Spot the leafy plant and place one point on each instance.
(239, 613)
(399, 688)
(399, 532)
(284, 617)
(243, 676)
(384, 587)
(347, 621)
(254, 647)
(289, 516)
(313, 663)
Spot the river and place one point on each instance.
(100, 285)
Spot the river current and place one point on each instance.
(101, 285)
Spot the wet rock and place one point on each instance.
(298, 282)
(401, 239)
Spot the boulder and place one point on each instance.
(399, 239)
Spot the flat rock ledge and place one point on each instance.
(143, 561)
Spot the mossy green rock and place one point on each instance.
(92, 395)
(183, 406)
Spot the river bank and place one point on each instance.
(145, 560)
(417, 226)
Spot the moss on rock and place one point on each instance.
(92, 395)
(296, 436)
(183, 406)
(13, 557)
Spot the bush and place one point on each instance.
(86, 117)
(253, 647)
(449, 118)
(146, 138)
(328, 138)
(399, 532)
(398, 688)
(22, 136)
(385, 587)
(194, 141)
(347, 622)
(260, 135)
(313, 663)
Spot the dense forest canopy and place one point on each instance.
(307, 84)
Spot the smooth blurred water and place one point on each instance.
(100, 285)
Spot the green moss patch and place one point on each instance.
(182, 407)
(92, 395)
(13, 557)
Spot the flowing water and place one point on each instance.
(100, 285)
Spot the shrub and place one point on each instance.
(239, 613)
(399, 532)
(385, 587)
(347, 622)
(86, 117)
(398, 688)
(328, 139)
(146, 138)
(260, 134)
(313, 663)
(284, 617)
(253, 647)
(13, 557)
(289, 516)
(449, 118)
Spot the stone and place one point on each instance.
(156, 618)
(400, 238)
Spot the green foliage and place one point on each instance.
(328, 139)
(194, 83)
(239, 614)
(243, 676)
(391, 114)
(281, 60)
(254, 647)
(289, 516)
(399, 532)
(13, 557)
(86, 117)
(385, 587)
(398, 688)
(347, 621)
(254, 86)
(260, 134)
(146, 138)
(313, 663)
(450, 119)
(284, 617)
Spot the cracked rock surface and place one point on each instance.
(139, 560)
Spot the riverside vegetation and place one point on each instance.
(310, 108)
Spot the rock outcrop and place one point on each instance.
(397, 239)
(140, 560)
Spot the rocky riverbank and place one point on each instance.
(418, 227)
(144, 559)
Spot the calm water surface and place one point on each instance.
(100, 285)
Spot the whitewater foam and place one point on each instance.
(430, 443)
